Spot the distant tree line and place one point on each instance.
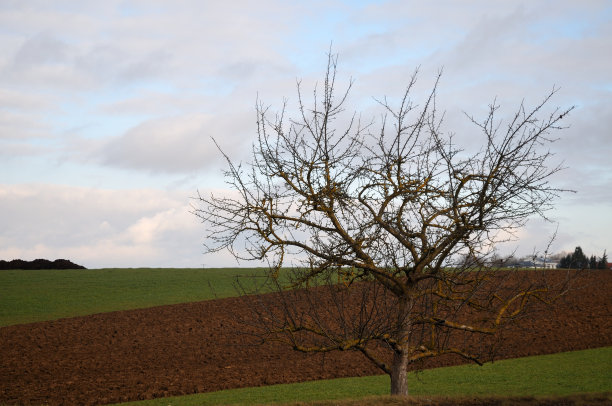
(39, 264)
(577, 260)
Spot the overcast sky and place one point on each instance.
(107, 108)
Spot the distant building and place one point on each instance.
(536, 263)
(545, 263)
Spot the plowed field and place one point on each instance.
(196, 347)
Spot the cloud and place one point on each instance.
(11, 99)
(175, 144)
(22, 118)
(155, 104)
(41, 49)
(18, 125)
(98, 44)
(98, 227)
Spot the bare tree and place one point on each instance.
(377, 214)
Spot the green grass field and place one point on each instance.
(588, 371)
(31, 296)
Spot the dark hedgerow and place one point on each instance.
(39, 264)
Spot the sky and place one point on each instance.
(108, 108)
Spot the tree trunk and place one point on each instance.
(399, 383)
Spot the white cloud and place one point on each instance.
(175, 144)
(170, 143)
(155, 103)
(17, 125)
(11, 99)
(154, 228)
(98, 227)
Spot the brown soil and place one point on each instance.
(195, 347)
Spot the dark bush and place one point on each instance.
(39, 264)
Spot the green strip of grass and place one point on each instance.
(31, 296)
(563, 374)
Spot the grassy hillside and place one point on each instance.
(30, 296)
(561, 374)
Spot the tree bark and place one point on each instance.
(399, 383)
